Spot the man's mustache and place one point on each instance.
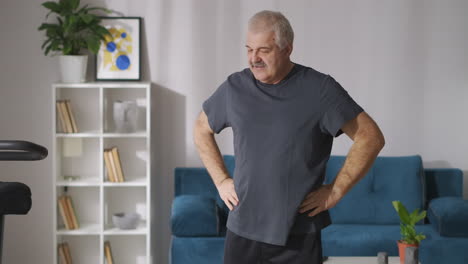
(258, 64)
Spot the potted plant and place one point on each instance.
(409, 237)
(76, 29)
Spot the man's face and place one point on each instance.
(267, 62)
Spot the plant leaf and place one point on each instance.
(87, 18)
(67, 48)
(420, 217)
(45, 43)
(75, 4)
(413, 216)
(52, 6)
(93, 44)
(402, 212)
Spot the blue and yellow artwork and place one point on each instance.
(118, 50)
(119, 54)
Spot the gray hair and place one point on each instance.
(273, 21)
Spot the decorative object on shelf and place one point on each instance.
(125, 116)
(71, 178)
(126, 220)
(108, 253)
(382, 258)
(66, 116)
(142, 154)
(119, 55)
(77, 29)
(407, 226)
(72, 147)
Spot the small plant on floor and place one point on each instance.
(408, 222)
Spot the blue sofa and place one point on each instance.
(364, 221)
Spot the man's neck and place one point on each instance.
(287, 69)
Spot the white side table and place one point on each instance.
(360, 260)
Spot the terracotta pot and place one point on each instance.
(401, 250)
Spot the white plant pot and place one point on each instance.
(73, 68)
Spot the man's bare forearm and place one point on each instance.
(360, 158)
(209, 151)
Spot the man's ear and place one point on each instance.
(288, 49)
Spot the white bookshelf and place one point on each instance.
(95, 198)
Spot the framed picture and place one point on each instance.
(119, 57)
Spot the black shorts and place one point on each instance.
(299, 249)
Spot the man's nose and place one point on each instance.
(255, 57)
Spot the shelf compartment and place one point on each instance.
(83, 249)
(133, 165)
(85, 105)
(124, 200)
(128, 249)
(112, 95)
(87, 209)
(78, 157)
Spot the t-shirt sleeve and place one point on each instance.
(215, 108)
(338, 107)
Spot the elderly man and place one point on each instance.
(284, 117)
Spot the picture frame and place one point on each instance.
(119, 56)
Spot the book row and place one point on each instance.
(66, 116)
(66, 258)
(68, 212)
(113, 165)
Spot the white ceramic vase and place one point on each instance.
(73, 68)
(125, 116)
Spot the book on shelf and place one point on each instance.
(64, 253)
(62, 204)
(108, 253)
(61, 117)
(72, 116)
(66, 116)
(110, 170)
(61, 255)
(68, 212)
(72, 213)
(118, 164)
(113, 165)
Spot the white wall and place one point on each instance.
(404, 61)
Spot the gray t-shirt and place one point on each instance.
(283, 135)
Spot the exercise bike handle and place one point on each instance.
(21, 150)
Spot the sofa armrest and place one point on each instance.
(194, 215)
(449, 216)
(443, 182)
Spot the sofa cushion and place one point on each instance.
(370, 200)
(197, 250)
(449, 216)
(360, 240)
(194, 215)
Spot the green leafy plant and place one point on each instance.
(76, 28)
(408, 222)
